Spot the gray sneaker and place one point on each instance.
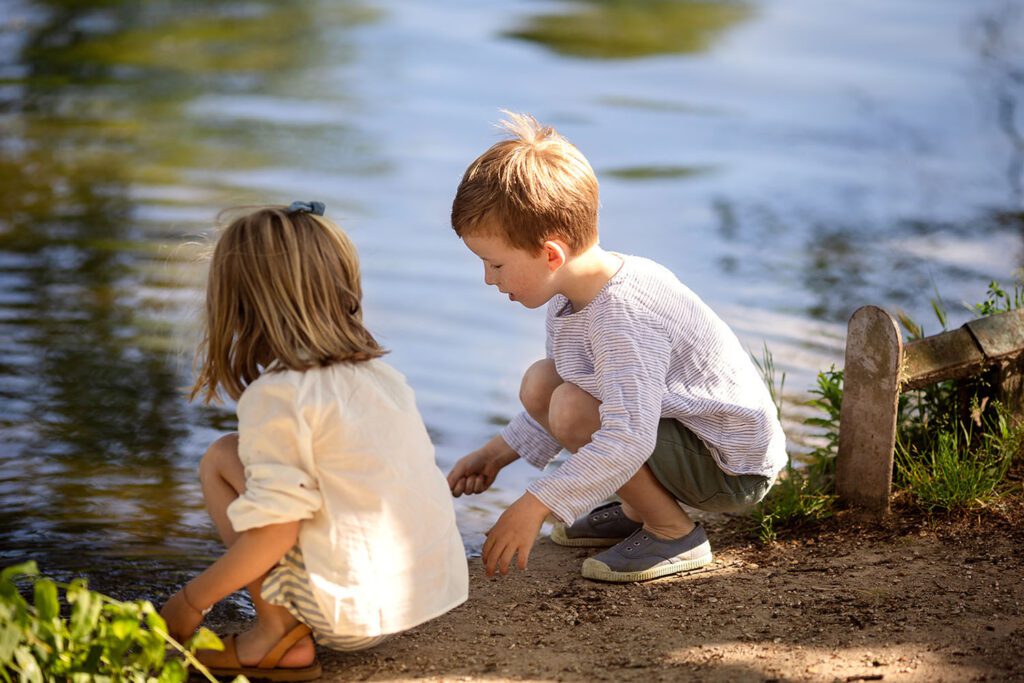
(642, 556)
(605, 525)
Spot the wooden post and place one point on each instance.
(879, 367)
(871, 389)
(1011, 388)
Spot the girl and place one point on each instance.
(334, 514)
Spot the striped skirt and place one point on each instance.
(287, 585)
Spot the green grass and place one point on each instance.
(795, 501)
(962, 468)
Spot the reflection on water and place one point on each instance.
(790, 162)
(620, 29)
(98, 447)
(651, 172)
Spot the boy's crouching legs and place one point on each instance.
(573, 416)
(668, 543)
(539, 383)
(645, 499)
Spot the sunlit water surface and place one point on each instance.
(790, 160)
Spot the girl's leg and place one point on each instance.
(574, 417)
(222, 477)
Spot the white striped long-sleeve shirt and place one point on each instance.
(647, 347)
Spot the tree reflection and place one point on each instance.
(95, 424)
(622, 29)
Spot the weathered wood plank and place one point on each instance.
(964, 351)
(999, 336)
(949, 355)
(871, 386)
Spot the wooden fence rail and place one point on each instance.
(879, 366)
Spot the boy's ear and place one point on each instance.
(556, 252)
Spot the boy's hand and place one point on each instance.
(514, 534)
(476, 472)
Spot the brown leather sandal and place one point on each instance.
(225, 664)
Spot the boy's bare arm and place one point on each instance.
(476, 472)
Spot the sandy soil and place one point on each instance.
(911, 598)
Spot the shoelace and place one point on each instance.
(644, 537)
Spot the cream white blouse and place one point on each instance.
(344, 449)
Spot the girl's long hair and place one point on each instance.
(283, 293)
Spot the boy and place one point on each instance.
(650, 392)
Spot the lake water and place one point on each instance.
(790, 160)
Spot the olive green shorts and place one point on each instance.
(684, 465)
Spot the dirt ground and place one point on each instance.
(912, 598)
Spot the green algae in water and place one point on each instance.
(273, 37)
(658, 172)
(654, 105)
(623, 29)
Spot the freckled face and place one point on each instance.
(524, 277)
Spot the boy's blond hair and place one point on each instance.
(282, 287)
(531, 188)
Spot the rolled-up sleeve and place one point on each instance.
(275, 447)
(530, 441)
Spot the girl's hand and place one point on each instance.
(182, 619)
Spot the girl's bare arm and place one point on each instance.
(255, 553)
(252, 555)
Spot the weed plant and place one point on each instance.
(828, 401)
(802, 493)
(101, 640)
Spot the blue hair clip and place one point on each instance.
(315, 208)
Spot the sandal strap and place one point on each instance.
(289, 639)
(230, 650)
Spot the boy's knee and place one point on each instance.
(219, 455)
(573, 415)
(539, 382)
